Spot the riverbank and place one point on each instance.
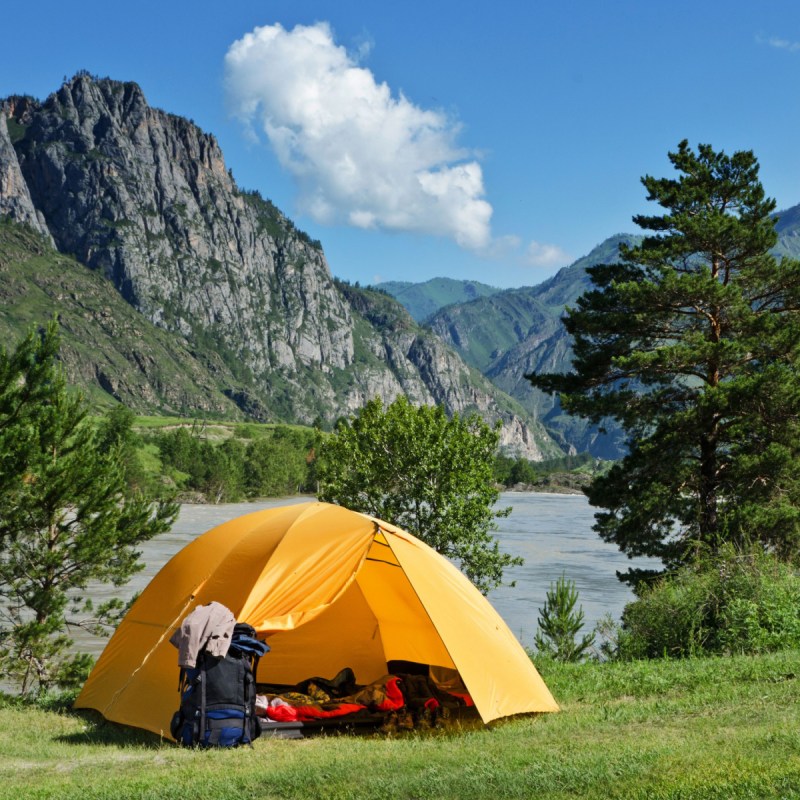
(701, 728)
(555, 483)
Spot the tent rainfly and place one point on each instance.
(327, 588)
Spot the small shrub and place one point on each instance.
(608, 635)
(53, 700)
(559, 624)
(736, 602)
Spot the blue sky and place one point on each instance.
(492, 141)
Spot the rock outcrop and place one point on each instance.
(15, 199)
(144, 198)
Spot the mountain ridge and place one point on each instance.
(424, 299)
(143, 198)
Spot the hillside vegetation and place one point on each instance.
(224, 461)
(108, 349)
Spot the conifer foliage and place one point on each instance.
(67, 518)
(692, 342)
(560, 622)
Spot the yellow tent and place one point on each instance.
(328, 588)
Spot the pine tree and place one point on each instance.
(691, 342)
(66, 518)
(560, 622)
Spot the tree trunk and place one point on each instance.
(708, 489)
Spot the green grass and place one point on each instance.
(701, 728)
(221, 427)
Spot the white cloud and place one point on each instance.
(779, 43)
(546, 255)
(359, 154)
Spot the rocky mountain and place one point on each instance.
(788, 227)
(424, 299)
(107, 347)
(513, 333)
(15, 199)
(143, 199)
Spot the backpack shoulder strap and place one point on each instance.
(201, 676)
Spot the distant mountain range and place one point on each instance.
(509, 334)
(422, 300)
(512, 333)
(179, 292)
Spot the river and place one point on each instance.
(552, 532)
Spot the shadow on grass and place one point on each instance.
(98, 730)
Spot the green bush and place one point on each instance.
(732, 603)
(560, 622)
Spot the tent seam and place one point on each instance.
(150, 652)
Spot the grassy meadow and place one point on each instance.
(699, 728)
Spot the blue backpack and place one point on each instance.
(218, 696)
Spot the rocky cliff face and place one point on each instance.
(15, 199)
(144, 198)
(107, 347)
(428, 371)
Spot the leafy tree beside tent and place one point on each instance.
(692, 343)
(424, 472)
